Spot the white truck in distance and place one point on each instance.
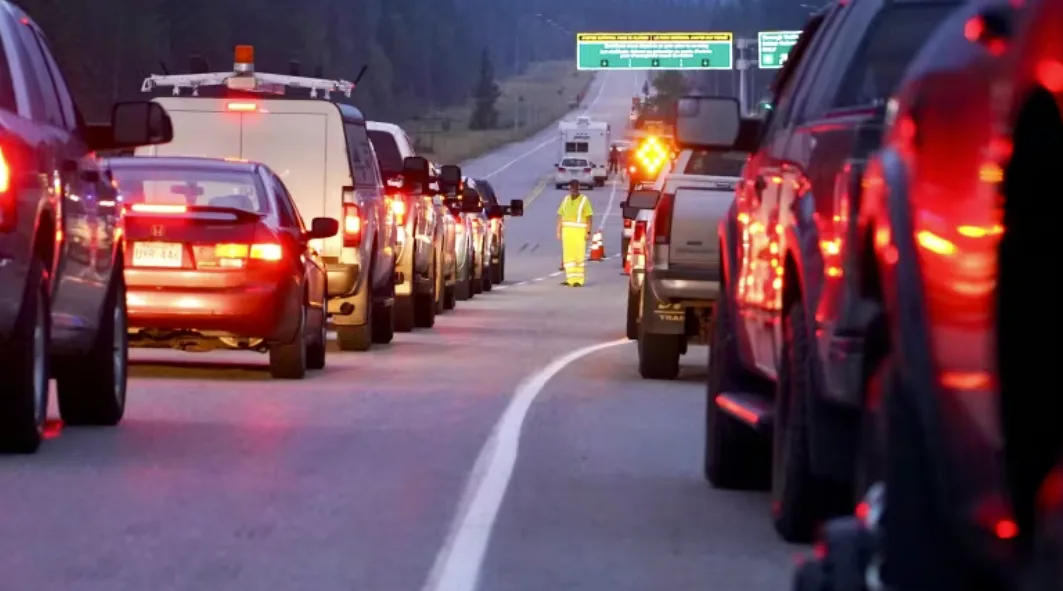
(584, 138)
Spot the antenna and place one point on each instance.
(162, 66)
(361, 73)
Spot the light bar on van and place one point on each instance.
(242, 107)
(244, 59)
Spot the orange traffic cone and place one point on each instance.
(597, 247)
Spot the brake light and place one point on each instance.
(560, 169)
(662, 219)
(158, 208)
(267, 252)
(639, 233)
(352, 225)
(7, 199)
(398, 208)
(586, 170)
(627, 223)
(242, 107)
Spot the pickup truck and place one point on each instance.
(782, 397)
(671, 299)
(62, 288)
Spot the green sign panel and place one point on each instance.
(773, 47)
(655, 51)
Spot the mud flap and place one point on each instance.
(662, 317)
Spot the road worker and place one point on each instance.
(574, 219)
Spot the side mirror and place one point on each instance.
(323, 228)
(707, 122)
(414, 174)
(515, 208)
(640, 199)
(133, 124)
(449, 179)
(470, 201)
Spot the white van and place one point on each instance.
(584, 138)
(322, 153)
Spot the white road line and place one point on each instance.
(608, 208)
(460, 560)
(557, 273)
(594, 103)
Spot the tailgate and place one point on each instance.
(697, 210)
(294, 145)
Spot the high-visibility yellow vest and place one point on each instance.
(575, 211)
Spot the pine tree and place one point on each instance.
(485, 116)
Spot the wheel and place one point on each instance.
(658, 356)
(624, 244)
(424, 304)
(559, 186)
(496, 271)
(383, 331)
(404, 313)
(477, 284)
(735, 457)
(632, 315)
(92, 388)
(316, 348)
(450, 300)
(799, 498)
(24, 365)
(488, 273)
(502, 266)
(288, 361)
(441, 288)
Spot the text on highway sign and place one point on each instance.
(655, 51)
(773, 47)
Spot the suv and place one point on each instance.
(62, 291)
(420, 250)
(779, 367)
(495, 224)
(321, 151)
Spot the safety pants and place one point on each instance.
(574, 254)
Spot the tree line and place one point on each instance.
(420, 54)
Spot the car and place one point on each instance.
(481, 237)
(778, 319)
(62, 291)
(452, 230)
(495, 224)
(320, 148)
(248, 276)
(420, 254)
(945, 228)
(574, 169)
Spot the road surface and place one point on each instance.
(400, 469)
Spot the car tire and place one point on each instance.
(404, 313)
(488, 273)
(91, 388)
(383, 330)
(24, 361)
(632, 315)
(735, 456)
(450, 296)
(288, 361)
(502, 266)
(316, 349)
(559, 186)
(424, 304)
(496, 271)
(798, 497)
(658, 355)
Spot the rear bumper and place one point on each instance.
(564, 178)
(342, 278)
(685, 285)
(258, 310)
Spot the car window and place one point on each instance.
(66, 101)
(387, 152)
(363, 162)
(573, 162)
(705, 162)
(187, 185)
(487, 192)
(895, 37)
(50, 111)
(286, 211)
(576, 147)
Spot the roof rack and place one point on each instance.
(243, 77)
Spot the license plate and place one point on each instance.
(157, 254)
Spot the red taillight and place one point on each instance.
(662, 219)
(234, 255)
(7, 196)
(639, 232)
(561, 169)
(242, 107)
(398, 209)
(352, 225)
(627, 223)
(157, 208)
(586, 170)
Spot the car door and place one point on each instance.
(294, 229)
(81, 276)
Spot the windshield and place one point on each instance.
(712, 163)
(574, 162)
(173, 185)
(387, 152)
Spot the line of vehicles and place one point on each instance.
(856, 273)
(234, 210)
